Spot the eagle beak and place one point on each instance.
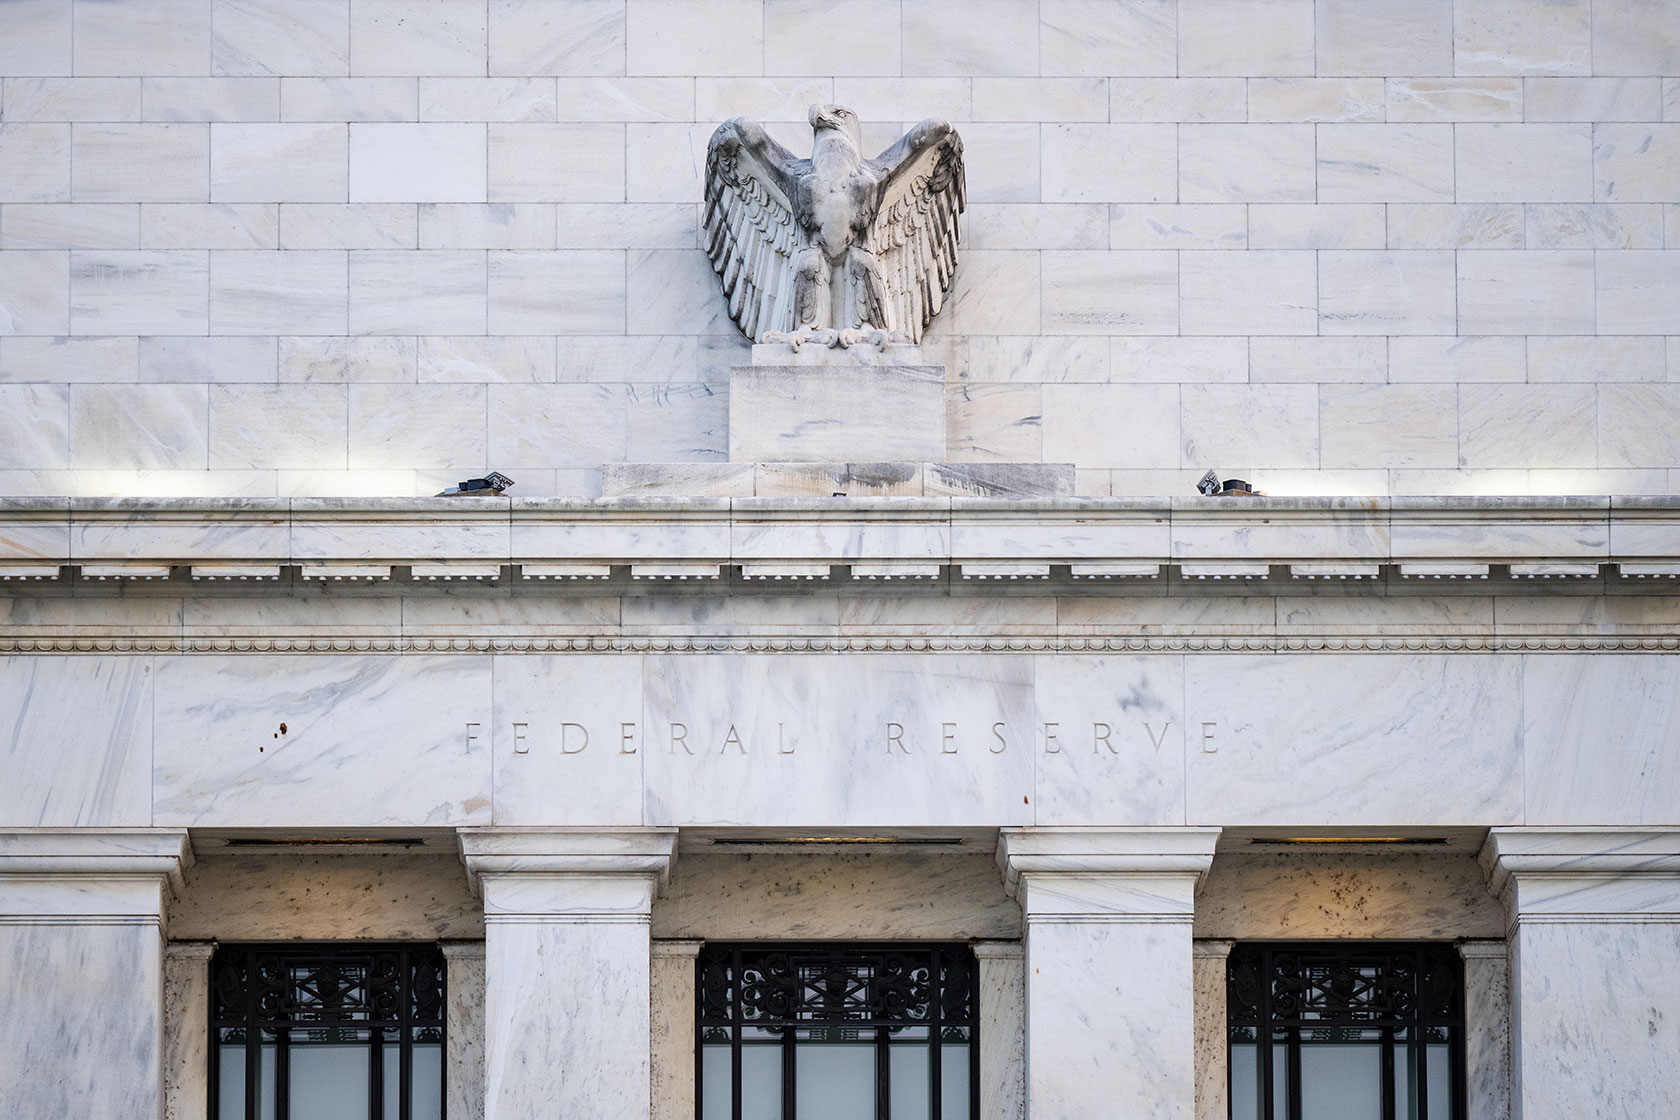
(820, 117)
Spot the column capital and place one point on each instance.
(1584, 874)
(96, 852)
(1098, 851)
(632, 852)
(1211, 948)
(95, 876)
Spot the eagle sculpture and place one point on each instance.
(836, 249)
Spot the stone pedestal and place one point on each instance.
(81, 970)
(566, 946)
(1595, 940)
(836, 413)
(1110, 978)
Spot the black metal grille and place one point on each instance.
(1404, 1001)
(803, 994)
(269, 998)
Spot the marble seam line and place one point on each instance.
(561, 917)
(81, 920)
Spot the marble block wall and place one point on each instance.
(375, 246)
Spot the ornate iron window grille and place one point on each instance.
(796, 994)
(1405, 1000)
(385, 997)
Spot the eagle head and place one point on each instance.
(839, 118)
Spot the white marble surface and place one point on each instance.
(891, 739)
(836, 413)
(368, 741)
(1487, 1027)
(1213, 1034)
(568, 740)
(1119, 736)
(1628, 709)
(567, 1006)
(1400, 739)
(104, 708)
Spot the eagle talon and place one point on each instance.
(851, 336)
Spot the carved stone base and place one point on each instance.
(836, 413)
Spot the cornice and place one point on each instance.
(859, 539)
(782, 643)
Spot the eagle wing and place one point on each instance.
(921, 192)
(751, 235)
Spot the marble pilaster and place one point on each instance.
(1212, 1036)
(1487, 1027)
(567, 1028)
(1003, 1029)
(1110, 978)
(1594, 932)
(82, 917)
(464, 1030)
(186, 1028)
(672, 1054)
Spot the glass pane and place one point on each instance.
(267, 1079)
(835, 1080)
(1440, 1083)
(1245, 1081)
(953, 1082)
(390, 1063)
(1341, 1080)
(761, 1081)
(230, 1081)
(714, 1083)
(426, 1101)
(1280, 1080)
(329, 1075)
(1405, 1076)
(912, 1097)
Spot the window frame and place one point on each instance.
(1422, 1018)
(410, 955)
(933, 951)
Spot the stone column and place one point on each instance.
(81, 970)
(673, 1012)
(1487, 1027)
(1110, 982)
(1594, 917)
(1213, 1049)
(464, 1029)
(1002, 992)
(186, 1029)
(566, 967)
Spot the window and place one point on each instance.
(326, 1032)
(1346, 1032)
(837, 1032)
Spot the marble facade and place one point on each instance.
(897, 645)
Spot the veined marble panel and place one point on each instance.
(567, 742)
(82, 1033)
(885, 740)
(79, 741)
(1108, 740)
(369, 741)
(1599, 735)
(1333, 740)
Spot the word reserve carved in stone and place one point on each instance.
(835, 249)
(947, 737)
